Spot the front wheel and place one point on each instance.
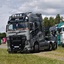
(36, 48)
(10, 51)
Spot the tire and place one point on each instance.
(36, 48)
(10, 52)
(50, 47)
(55, 46)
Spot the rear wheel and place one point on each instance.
(50, 47)
(55, 46)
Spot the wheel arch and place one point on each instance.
(36, 42)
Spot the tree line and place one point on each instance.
(2, 35)
(51, 21)
(48, 22)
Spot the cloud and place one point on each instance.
(4, 15)
(46, 7)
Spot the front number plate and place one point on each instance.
(16, 46)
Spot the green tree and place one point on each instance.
(46, 22)
(51, 21)
(57, 19)
(2, 35)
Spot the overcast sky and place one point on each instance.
(46, 7)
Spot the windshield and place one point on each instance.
(17, 26)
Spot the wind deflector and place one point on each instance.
(20, 17)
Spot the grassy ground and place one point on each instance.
(56, 54)
(6, 58)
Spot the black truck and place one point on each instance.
(25, 32)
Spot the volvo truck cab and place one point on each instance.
(25, 32)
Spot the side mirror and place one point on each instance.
(6, 27)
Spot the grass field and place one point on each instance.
(6, 58)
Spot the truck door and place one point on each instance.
(41, 41)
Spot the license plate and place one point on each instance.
(16, 46)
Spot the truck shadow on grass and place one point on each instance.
(31, 52)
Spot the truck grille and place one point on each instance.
(18, 41)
